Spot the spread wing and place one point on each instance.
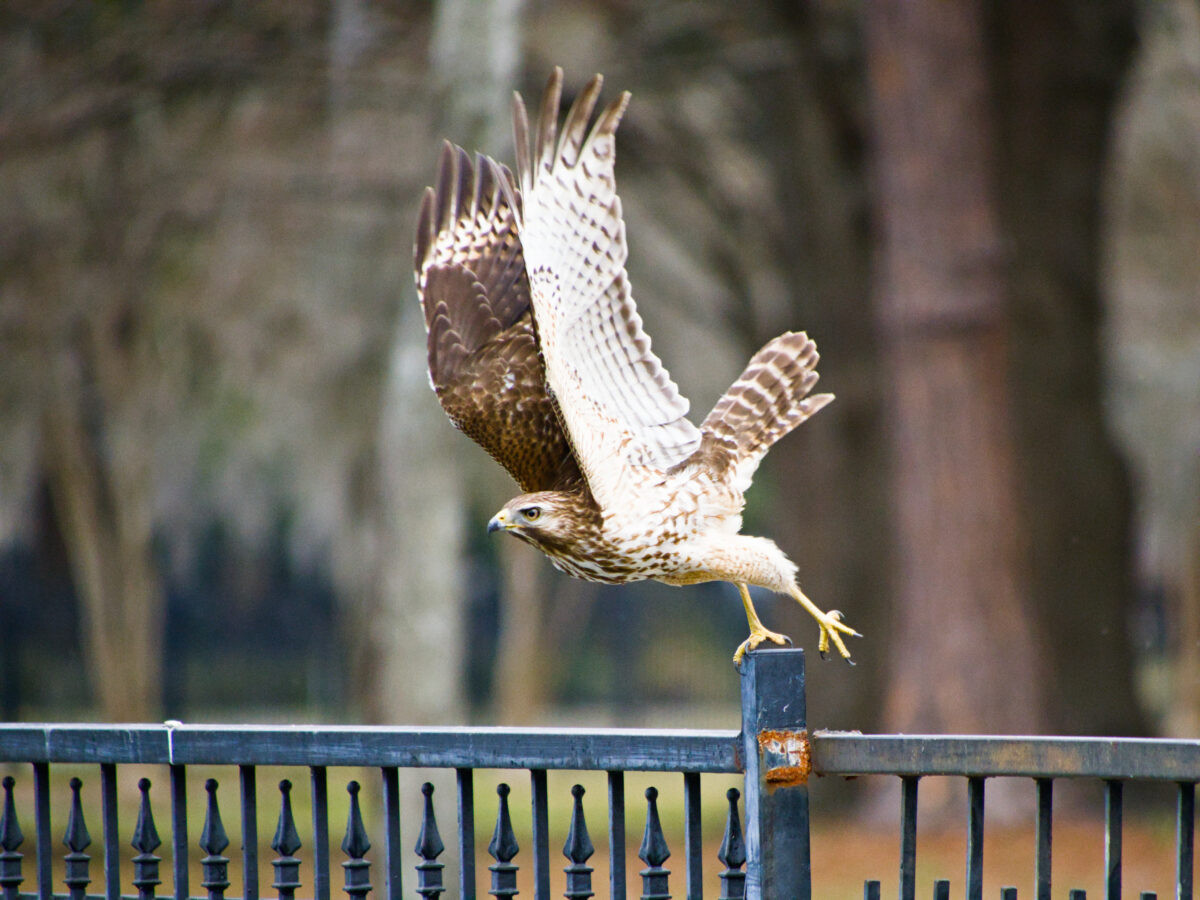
(769, 399)
(617, 401)
(483, 353)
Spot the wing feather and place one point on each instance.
(616, 399)
(769, 399)
(482, 348)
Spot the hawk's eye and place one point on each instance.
(532, 513)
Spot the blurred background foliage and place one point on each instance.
(226, 490)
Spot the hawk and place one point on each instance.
(537, 352)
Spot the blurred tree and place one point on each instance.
(962, 580)
(1055, 71)
(1152, 260)
(100, 478)
(207, 216)
(200, 200)
(428, 469)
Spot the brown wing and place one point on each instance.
(484, 363)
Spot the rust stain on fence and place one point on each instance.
(786, 756)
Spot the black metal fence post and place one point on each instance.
(10, 839)
(145, 842)
(776, 749)
(213, 841)
(77, 840)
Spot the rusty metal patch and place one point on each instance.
(786, 757)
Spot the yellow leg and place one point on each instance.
(830, 623)
(758, 631)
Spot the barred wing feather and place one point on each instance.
(616, 399)
(483, 354)
(769, 399)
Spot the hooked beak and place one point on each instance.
(499, 521)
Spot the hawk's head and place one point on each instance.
(553, 521)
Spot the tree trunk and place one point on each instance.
(1054, 89)
(420, 635)
(963, 652)
(1152, 341)
(520, 692)
(121, 599)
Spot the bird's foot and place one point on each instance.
(832, 629)
(757, 636)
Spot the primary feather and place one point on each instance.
(483, 354)
(617, 400)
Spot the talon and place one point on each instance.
(757, 636)
(758, 631)
(831, 625)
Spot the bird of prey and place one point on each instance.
(537, 352)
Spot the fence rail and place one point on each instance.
(1145, 759)
(629, 749)
(770, 858)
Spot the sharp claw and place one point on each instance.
(787, 640)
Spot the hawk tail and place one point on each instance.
(769, 399)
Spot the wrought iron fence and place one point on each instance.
(770, 859)
(975, 758)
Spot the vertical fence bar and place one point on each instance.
(733, 852)
(11, 839)
(213, 841)
(654, 852)
(693, 851)
(1185, 836)
(248, 781)
(975, 792)
(541, 834)
(1044, 825)
(1113, 803)
(429, 848)
(145, 842)
(320, 820)
(391, 824)
(908, 837)
(77, 839)
(871, 890)
(41, 824)
(286, 843)
(941, 889)
(578, 850)
(1008, 893)
(355, 844)
(616, 835)
(179, 841)
(109, 833)
(776, 752)
(466, 833)
(503, 848)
